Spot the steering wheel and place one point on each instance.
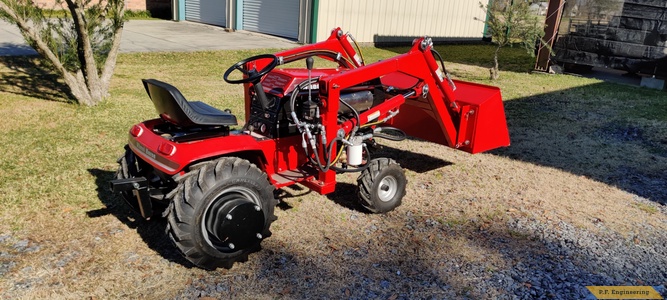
(253, 75)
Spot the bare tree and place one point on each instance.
(81, 46)
(511, 22)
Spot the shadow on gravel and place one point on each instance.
(152, 231)
(395, 261)
(27, 76)
(413, 161)
(346, 195)
(611, 133)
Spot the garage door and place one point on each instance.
(275, 17)
(206, 11)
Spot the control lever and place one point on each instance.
(310, 107)
(261, 96)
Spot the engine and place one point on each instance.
(280, 86)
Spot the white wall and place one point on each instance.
(401, 20)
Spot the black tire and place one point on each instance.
(382, 185)
(207, 194)
(130, 166)
(127, 168)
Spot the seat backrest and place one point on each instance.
(169, 102)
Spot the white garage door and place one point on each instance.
(206, 11)
(275, 17)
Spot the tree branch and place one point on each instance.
(110, 63)
(42, 48)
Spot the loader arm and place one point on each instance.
(338, 45)
(458, 114)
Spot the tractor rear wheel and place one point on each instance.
(382, 185)
(220, 212)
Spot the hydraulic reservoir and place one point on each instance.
(360, 101)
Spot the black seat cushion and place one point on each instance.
(173, 107)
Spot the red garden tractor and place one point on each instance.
(215, 181)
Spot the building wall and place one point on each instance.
(391, 21)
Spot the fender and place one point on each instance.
(150, 147)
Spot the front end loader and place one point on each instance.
(214, 180)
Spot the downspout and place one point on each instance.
(314, 13)
(230, 17)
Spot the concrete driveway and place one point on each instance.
(161, 36)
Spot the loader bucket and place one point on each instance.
(480, 127)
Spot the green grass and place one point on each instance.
(513, 59)
(50, 142)
(647, 208)
(58, 157)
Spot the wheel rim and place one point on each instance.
(234, 220)
(387, 188)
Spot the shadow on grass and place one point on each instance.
(152, 231)
(13, 49)
(27, 76)
(607, 132)
(409, 160)
(346, 194)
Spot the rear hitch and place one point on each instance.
(139, 187)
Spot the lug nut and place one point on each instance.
(259, 236)
(257, 208)
(231, 246)
(228, 216)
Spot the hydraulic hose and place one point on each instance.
(356, 116)
(444, 70)
(328, 53)
(378, 132)
(295, 94)
(327, 156)
(361, 55)
(328, 163)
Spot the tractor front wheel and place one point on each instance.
(221, 211)
(382, 185)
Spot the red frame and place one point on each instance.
(470, 118)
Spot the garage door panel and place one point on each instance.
(276, 17)
(206, 11)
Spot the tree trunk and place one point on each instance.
(88, 84)
(85, 50)
(494, 72)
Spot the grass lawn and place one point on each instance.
(583, 152)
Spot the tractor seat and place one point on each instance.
(174, 108)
